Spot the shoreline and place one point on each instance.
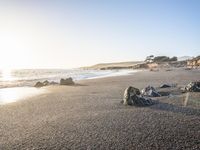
(89, 115)
(98, 74)
(17, 93)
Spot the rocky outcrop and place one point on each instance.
(39, 84)
(140, 66)
(178, 64)
(193, 87)
(67, 81)
(45, 83)
(150, 91)
(132, 96)
(165, 85)
(194, 63)
(152, 65)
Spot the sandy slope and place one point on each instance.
(89, 116)
(124, 65)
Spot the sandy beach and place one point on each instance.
(89, 115)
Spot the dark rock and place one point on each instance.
(39, 84)
(132, 96)
(150, 91)
(193, 87)
(139, 100)
(165, 86)
(46, 82)
(168, 85)
(68, 81)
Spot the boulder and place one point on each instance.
(132, 96)
(39, 84)
(193, 87)
(150, 91)
(167, 85)
(68, 81)
(46, 82)
(194, 63)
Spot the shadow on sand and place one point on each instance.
(176, 109)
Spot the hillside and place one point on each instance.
(117, 65)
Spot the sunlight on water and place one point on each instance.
(9, 95)
(28, 77)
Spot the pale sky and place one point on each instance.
(74, 33)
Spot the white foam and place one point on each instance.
(21, 78)
(112, 73)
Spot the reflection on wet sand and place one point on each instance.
(9, 95)
(186, 99)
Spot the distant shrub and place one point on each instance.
(164, 59)
(161, 59)
(173, 58)
(149, 58)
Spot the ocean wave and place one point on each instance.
(28, 77)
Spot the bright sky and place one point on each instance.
(73, 33)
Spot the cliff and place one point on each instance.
(194, 63)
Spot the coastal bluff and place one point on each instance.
(151, 62)
(137, 65)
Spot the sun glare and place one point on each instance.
(8, 95)
(6, 75)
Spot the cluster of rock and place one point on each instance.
(166, 85)
(45, 83)
(194, 63)
(132, 96)
(192, 87)
(67, 81)
(150, 91)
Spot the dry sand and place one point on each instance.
(90, 116)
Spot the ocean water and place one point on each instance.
(28, 77)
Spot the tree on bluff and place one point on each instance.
(164, 59)
(173, 58)
(161, 59)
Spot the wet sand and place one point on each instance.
(10, 95)
(90, 116)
